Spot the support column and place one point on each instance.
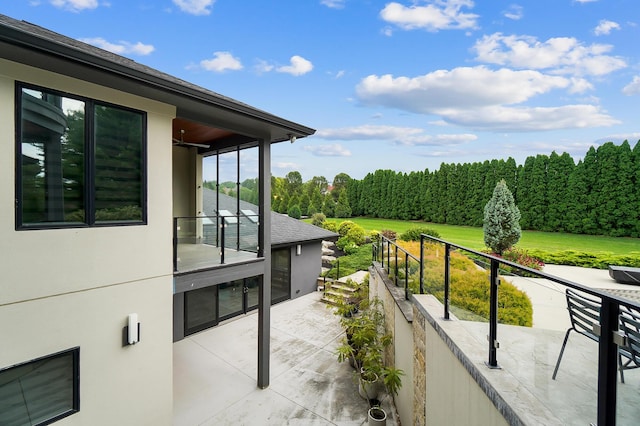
(264, 250)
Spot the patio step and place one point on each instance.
(335, 291)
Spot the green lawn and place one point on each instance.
(548, 241)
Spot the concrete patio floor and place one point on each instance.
(215, 372)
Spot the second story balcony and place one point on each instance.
(205, 242)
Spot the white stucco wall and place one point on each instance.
(63, 288)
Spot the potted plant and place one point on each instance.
(363, 345)
(392, 380)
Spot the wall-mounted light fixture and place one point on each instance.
(131, 331)
(298, 250)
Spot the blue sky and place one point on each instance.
(402, 85)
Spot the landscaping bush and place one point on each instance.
(294, 212)
(330, 226)
(389, 234)
(413, 234)
(318, 219)
(345, 226)
(588, 260)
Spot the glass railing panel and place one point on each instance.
(628, 404)
(531, 349)
(201, 242)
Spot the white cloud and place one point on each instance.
(409, 136)
(514, 12)
(526, 119)
(263, 66)
(460, 87)
(435, 16)
(195, 7)
(632, 88)
(222, 61)
(298, 66)
(333, 4)
(120, 48)
(482, 98)
(560, 55)
(604, 27)
(333, 150)
(75, 5)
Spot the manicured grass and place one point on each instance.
(473, 237)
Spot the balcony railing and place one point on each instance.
(203, 242)
(430, 275)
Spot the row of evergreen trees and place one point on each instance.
(597, 195)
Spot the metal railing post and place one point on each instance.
(447, 279)
(222, 226)
(493, 316)
(607, 363)
(406, 276)
(175, 244)
(388, 256)
(421, 263)
(395, 267)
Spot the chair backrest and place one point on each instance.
(630, 326)
(584, 313)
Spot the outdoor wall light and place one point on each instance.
(298, 250)
(131, 331)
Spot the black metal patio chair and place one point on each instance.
(584, 313)
(630, 327)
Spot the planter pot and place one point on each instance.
(369, 389)
(377, 416)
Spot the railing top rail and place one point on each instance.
(215, 216)
(562, 281)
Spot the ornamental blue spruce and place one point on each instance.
(501, 220)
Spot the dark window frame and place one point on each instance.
(89, 192)
(75, 356)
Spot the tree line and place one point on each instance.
(597, 195)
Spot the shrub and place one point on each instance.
(523, 258)
(318, 219)
(352, 239)
(330, 226)
(344, 227)
(389, 234)
(294, 212)
(588, 260)
(413, 234)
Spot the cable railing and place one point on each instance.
(205, 241)
(432, 274)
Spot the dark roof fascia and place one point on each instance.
(27, 36)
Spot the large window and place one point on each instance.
(280, 275)
(80, 162)
(41, 391)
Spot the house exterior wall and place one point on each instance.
(75, 287)
(305, 268)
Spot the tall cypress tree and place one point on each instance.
(558, 172)
(501, 220)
